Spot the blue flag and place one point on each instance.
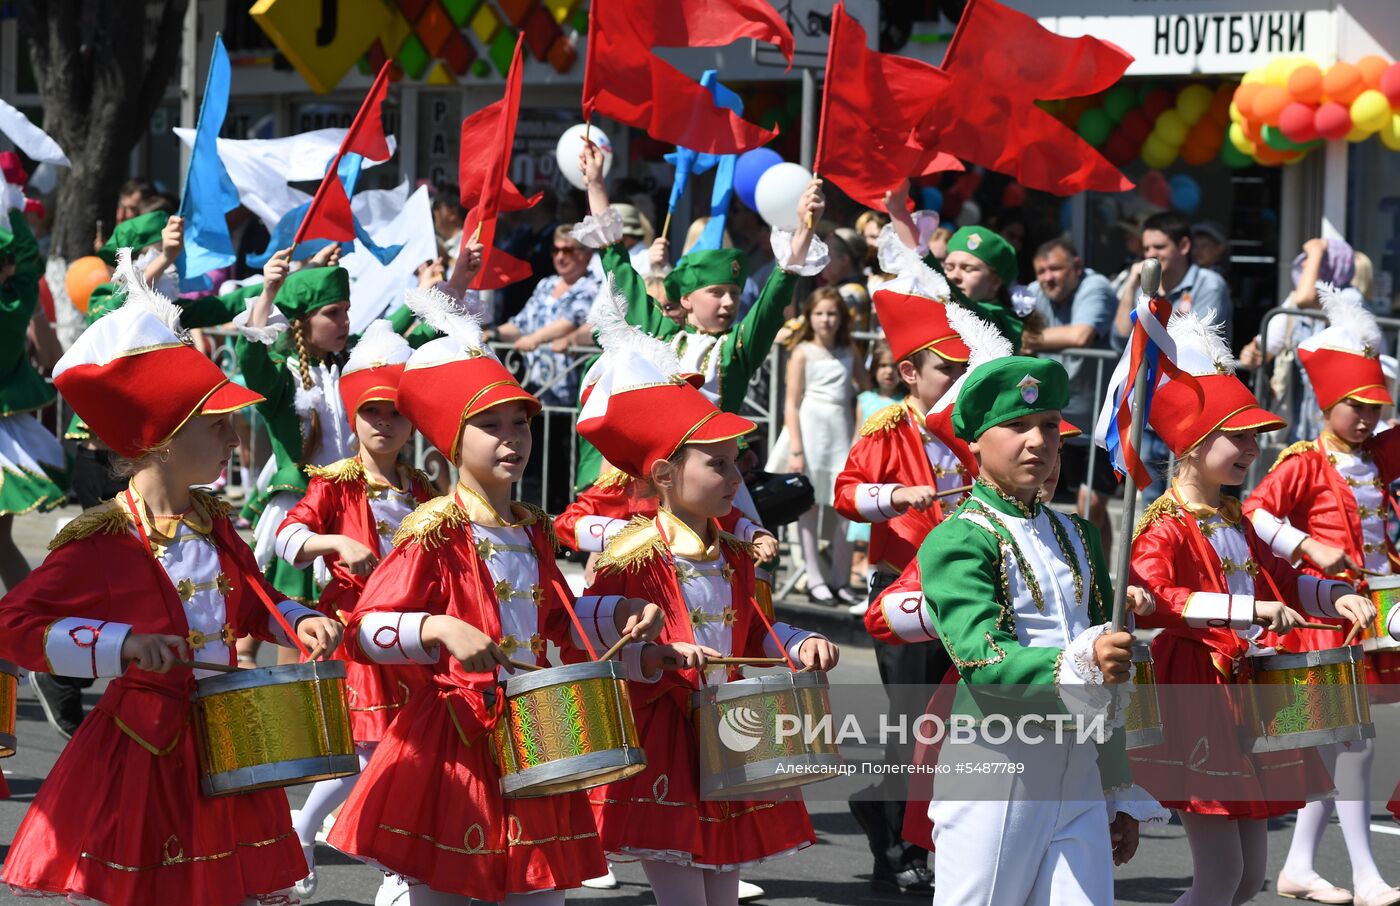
(688, 161)
(209, 192)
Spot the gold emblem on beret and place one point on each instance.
(973, 242)
(734, 267)
(1030, 389)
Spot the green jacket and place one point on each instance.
(963, 569)
(1000, 316)
(21, 387)
(402, 320)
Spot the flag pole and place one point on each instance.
(838, 13)
(1151, 284)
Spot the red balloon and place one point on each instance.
(1154, 188)
(1120, 149)
(1136, 126)
(1157, 102)
(1297, 123)
(1333, 121)
(1220, 106)
(1390, 84)
(1013, 196)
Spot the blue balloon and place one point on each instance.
(1185, 194)
(930, 199)
(750, 166)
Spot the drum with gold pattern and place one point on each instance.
(764, 734)
(1142, 722)
(1384, 592)
(566, 729)
(1313, 698)
(9, 685)
(273, 726)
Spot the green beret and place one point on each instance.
(311, 288)
(988, 246)
(1005, 389)
(134, 233)
(710, 267)
(104, 299)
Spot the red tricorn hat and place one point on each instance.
(913, 320)
(1343, 360)
(374, 368)
(133, 377)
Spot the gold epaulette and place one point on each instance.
(738, 545)
(213, 507)
(884, 420)
(414, 477)
(543, 518)
(348, 469)
(1163, 507)
(104, 519)
(429, 524)
(1302, 446)
(612, 477)
(631, 548)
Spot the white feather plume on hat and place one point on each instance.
(1200, 344)
(1350, 326)
(459, 324)
(379, 345)
(609, 319)
(142, 295)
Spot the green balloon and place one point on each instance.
(1094, 126)
(1233, 156)
(1274, 138)
(1118, 101)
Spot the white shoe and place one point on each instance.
(602, 882)
(749, 891)
(325, 830)
(306, 887)
(858, 609)
(393, 892)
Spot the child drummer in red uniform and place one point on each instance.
(1218, 586)
(470, 586)
(130, 586)
(646, 420)
(1324, 503)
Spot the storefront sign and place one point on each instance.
(1216, 42)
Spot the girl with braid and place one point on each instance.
(291, 348)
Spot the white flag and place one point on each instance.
(29, 138)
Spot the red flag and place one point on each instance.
(624, 80)
(329, 215)
(884, 99)
(1001, 62)
(480, 135)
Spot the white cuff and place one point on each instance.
(1281, 536)
(873, 501)
(294, 613)
(746, 530)
(1214, 610)
(594, 532)
(1135, 802)
(632, 664)
(598, 231)
(290, 541)
(1315, 595)
(396, 638)
(595, 615)
(791, 638)
(267, 334)
(908, 617)
(1080, 681)
(902, 261)
(89, 649)
(1393, 627)
(11, 198)
(818, 256)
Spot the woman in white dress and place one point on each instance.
(823, 376)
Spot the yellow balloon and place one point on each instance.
(1370, 111)
(1390, 133)
(1193, 102)
(1171, 128)
(1254, 75)
(1357, 134)
(1235, 115)
(1278, 70)
(1238, 139)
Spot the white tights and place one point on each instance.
(808, 540)
(422, 895)
(685, 885)
(325, 797)
(1229, 859)
(1350, 767)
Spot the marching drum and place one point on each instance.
(1142, 722)
(737, 724)
(1313, 698)
(565, 729)
(9, 685)
(1384, 592)
(273, 726)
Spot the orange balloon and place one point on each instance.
(1244, 98)
(1372, 67)
(1269, 103)
(1197, 152)
(1343, 83)
(1305, 84)
(1271, 158)
(83, 277)
(1220, 107)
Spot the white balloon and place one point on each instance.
(777, 194)
(571, 143)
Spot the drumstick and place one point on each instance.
(743, 661)
(951, 491)
(521, 665)
(1351, 636)
(208, 665)
(1327, 626)
(617, 646)
(1370, 572)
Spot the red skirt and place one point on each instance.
(117, 824)
(1202, 753)
(658, 814)
(429, 807)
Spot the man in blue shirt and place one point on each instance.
(1076, 307)
(1167, 238)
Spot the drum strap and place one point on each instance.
(1342, 494)
(1209, 559)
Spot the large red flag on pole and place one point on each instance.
(329, 215)
(883, 99)
(1000, 62)
(624, 80)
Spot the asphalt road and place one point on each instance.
(836, 871)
